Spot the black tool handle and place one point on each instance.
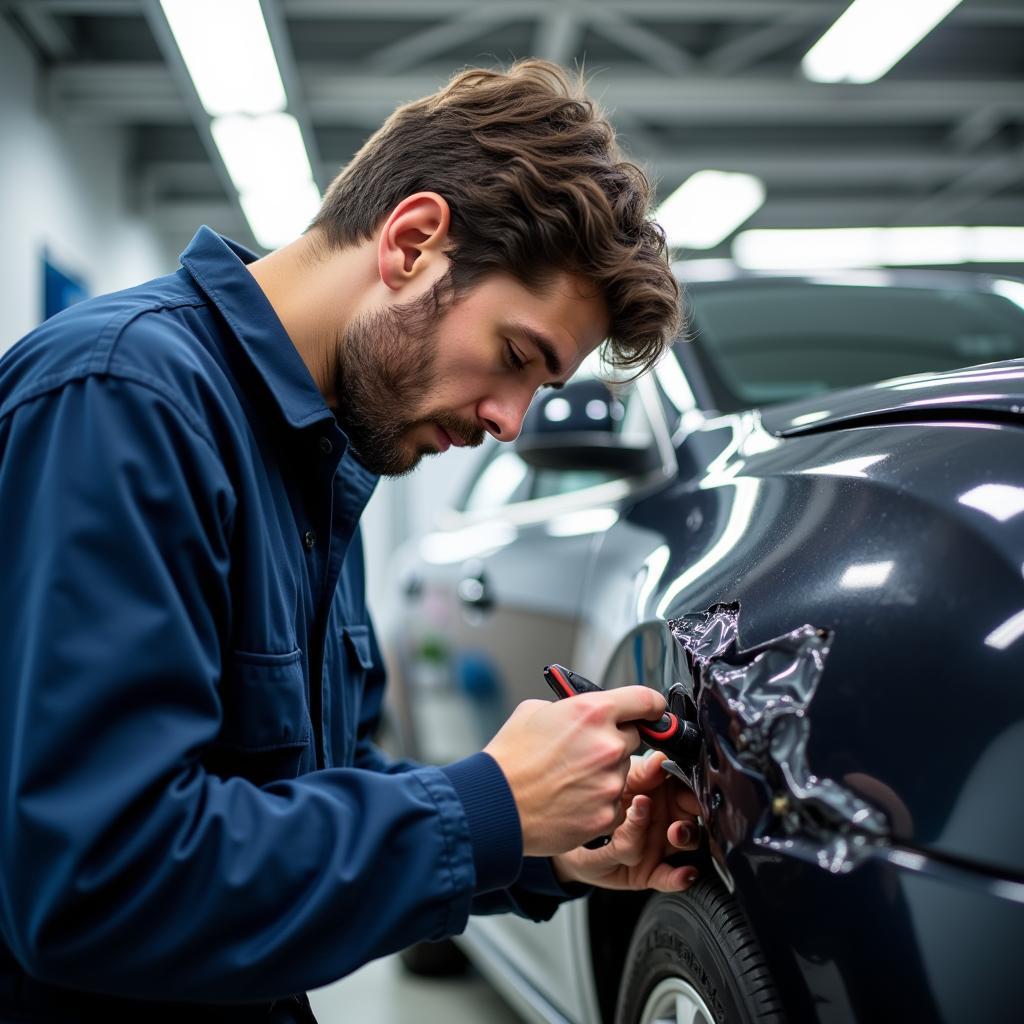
(660, 735)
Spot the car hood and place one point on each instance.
(994, 391)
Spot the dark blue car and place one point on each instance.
(832, 570)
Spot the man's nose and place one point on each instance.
(503, 417)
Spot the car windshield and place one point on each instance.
(761, 342)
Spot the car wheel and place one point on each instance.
(694, 960)
(434, 959)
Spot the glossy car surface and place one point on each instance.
(872, 840)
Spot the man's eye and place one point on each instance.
(513, 357)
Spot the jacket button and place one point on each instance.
(325, 445)
(309, 539)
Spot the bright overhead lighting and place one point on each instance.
(870, 36)
(279, 215)
(227, 50)
(814, 248)
(708, 207)
(261, 152)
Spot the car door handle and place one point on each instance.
(473, 590)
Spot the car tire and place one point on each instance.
(434, 959)
(693, 958)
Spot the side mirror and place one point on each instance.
(575, 428)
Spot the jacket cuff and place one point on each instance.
(492, 817)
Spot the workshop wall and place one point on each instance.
(64, 192)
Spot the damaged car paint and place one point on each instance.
(752, 707)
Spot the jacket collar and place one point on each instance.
(217, 265)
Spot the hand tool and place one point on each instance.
(672, 734)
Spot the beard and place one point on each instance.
(384, 365)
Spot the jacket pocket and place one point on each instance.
(357, 648)
(266, 727)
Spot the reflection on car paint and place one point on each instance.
(752, 707)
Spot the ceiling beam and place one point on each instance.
(147, 93)
(46, 32)
(742, 52)
(859, 167)
(184, 216)
(999, 12)
(99, 8)
(886, 170)
(960, 197)
(334, 95)
(647, 45)
(973, 131)
(557, 35)
(983, 12)
(883, 211)
(421, 46)
(281, 44)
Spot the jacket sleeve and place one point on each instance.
(536, 893)
(126, 868)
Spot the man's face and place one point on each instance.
(411, 380)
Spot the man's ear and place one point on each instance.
(413, 240)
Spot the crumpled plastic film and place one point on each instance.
(755, 702)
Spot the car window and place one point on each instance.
(550, 482)
(501, 479)
(771, 341)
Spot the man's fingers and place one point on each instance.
(665, 878)
(684, 834)
(646, 773)
(629, 838)
(632, 703)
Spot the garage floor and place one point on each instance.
(386, 994)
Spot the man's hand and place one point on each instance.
(566, 763)
(661, 819)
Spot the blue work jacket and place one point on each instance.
(193, 810)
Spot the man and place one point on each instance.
(196, 823)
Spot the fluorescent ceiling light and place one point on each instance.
(870, 36)
(279, 215)
(227, 50)
(814, 248)
(708, 207)
(261, 152)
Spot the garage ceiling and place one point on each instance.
(690, 84)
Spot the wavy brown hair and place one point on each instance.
(535, 183)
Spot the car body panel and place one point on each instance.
(887, 576)
(981, 390)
